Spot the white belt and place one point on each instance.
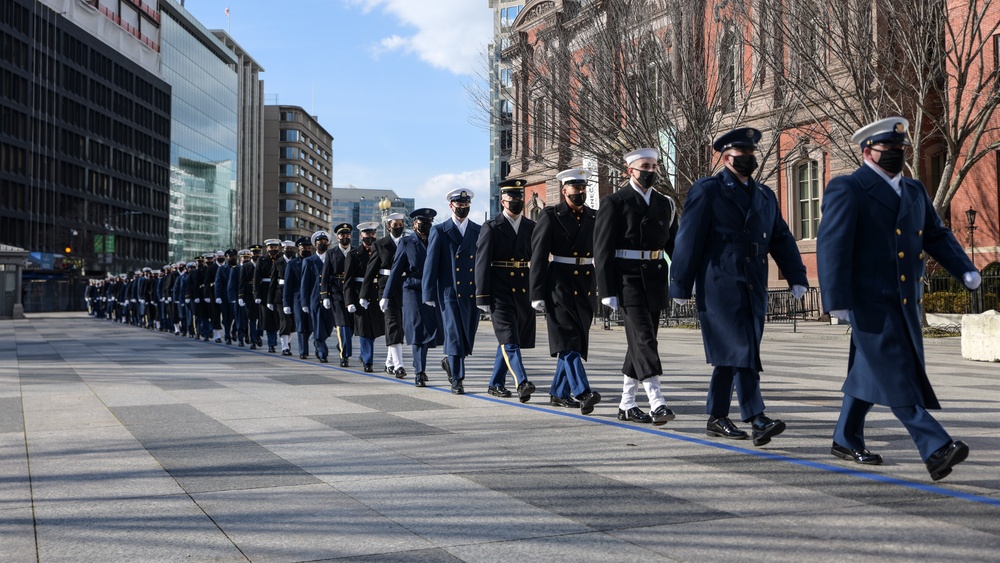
(568, 260)
(265, 280)
(639, 254)
(385, 272)
(359, 280)
(281, 282)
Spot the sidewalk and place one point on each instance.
(121, 444)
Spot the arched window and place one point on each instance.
(807, 180)
(730, 69)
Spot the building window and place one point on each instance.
(290, 135)
(807, 195)
(538, 126)
(730, 69)
(288, 169)
(289, 116)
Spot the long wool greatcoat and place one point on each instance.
(722, 246)
(368, 323)
(569, 290)
(450, 281)
(374, 286)
(871, 249)
(421, 323)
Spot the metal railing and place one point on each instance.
(945, 294)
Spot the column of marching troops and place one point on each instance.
(428, 288)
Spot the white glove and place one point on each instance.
(972, 280)
(383, 304)
(798, 291)
(610, 302)
(681, 300)
(242, 302)
(218, 301)
(305, 309)
(188, 300)
(270, 306)
(430, 303)
(197, 299)
(170, 299)
(352, 308)
(364, 303)
(287, 310)
(841, 314)
(484, 308)
(257, 301)
(327, 303)
(538, 305)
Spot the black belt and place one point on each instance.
(510, 263)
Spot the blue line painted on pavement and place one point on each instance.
(691, 439)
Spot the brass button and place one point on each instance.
(522, 274)
(458, 283)
(575, 254)
(470, 270)
(456, 256)
(576, 272)
(899, 232)
(512, 274)
(920, 256)
(904, 301)
(902, 278)
(763, 235)
(588, 272)
(921, 301)
(574, 293)
(514, 289)
(524, 291)
(471, 257)
(920, 233)
(459, 295)
(921, 279)
(456, 269)
(902, 255)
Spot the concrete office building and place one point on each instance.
(355, 205)
(84, 148)
(204, 137)
(298, 164)
(501, 96)
(248, 214)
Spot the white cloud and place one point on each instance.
(450, 34)
(433, 191)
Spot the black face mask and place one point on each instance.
(305, 253)
(367, 241)
(220, 261)
(396, 232)
(289, 254)
(232, 261)
(272, 254)
(344, 241)
(892, 161)
(422, 228)
(515, 206)
(462, 212)
(745, 164)
(577, 200)
(322, 246)
(646, 179)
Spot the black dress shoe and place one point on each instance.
(764, 429)
(525, 390)
(217, 340)
(323, 360)
(240, 344)
(635, 415)
(560, 402)
(940, 463)
(390, 370)
(271, 349)
(400, 373)
(587, 401)
(286, 352)
(862, 456)
(722, 427)
(662, 415)
(499, 392)
(368, 368)
(229, 341)
(457, 389)
(344, 363)
(446, 368)
(303, 356)
(253, 346)
(420, 379)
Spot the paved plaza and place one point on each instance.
(122, 444)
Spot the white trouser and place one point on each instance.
(286, 340)
(652, 387)
(394, 356)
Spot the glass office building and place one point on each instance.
(204, 142)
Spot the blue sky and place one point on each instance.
(387, 78)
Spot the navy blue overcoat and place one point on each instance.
(450, 281)
(871, 250)
(421, 323)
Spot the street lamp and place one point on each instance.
(384, 206)
(970, 217)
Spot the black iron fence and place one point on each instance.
(945, 294)
(781, 308)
